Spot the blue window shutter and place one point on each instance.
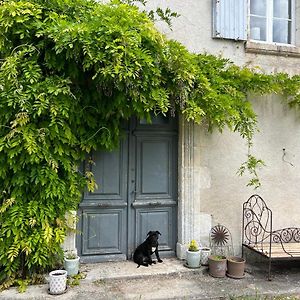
(230, 19)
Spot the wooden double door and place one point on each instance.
(137, 192)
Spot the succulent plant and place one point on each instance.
(193, 246)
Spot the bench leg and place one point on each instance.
(269, 270)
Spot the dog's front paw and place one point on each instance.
(159, 260)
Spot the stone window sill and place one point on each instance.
(272, 49)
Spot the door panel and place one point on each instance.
(110, 172)
(107, 173)
(103, 213)
(104, 231)
(159, 219)
(154, 168)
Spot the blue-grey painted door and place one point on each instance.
(137, 192)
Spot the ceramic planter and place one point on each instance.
(217, 265)
(57, 282)
(72, 265)
(205, 253)
(193, 259)
(235, 267)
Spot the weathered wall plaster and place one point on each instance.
(279, 129)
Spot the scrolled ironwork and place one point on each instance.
(286, 235)
(253, 231)
(259, 236)
(257, 221)
(220, 235)
(220, 240)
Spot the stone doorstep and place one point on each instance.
(97, 272)
(129, 270)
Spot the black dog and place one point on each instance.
(142, 254)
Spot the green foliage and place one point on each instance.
(22, 285)
(74, 280)
(217, 257)
(70, 255)
(158, 14)
(251, 165)
(70, 72)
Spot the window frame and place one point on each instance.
(269, 24)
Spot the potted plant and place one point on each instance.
(193, 255)
(71, 263)
(235, 267)
(57, 282)
(217, 265)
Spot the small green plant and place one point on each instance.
(22, 285)
(218, 257)
(70, 255)
(193, 246)
(75, 279)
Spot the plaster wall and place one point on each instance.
(210, 191)
(222, 154)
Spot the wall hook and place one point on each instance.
(283, 157)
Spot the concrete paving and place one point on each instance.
(170, 280)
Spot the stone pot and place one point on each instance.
(193, 259)
(71, 265)
(217, 265)
(205, 253)
(57, 282)
(235, 267)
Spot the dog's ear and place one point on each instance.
(150, 233)
(158, 232)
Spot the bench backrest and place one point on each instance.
(257, 222)
(286, 235)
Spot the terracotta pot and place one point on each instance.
(235, 267)
(217, 265)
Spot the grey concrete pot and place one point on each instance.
(71, 265)
(193, 259)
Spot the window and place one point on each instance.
(271, 21)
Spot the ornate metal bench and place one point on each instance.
(259, 236)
